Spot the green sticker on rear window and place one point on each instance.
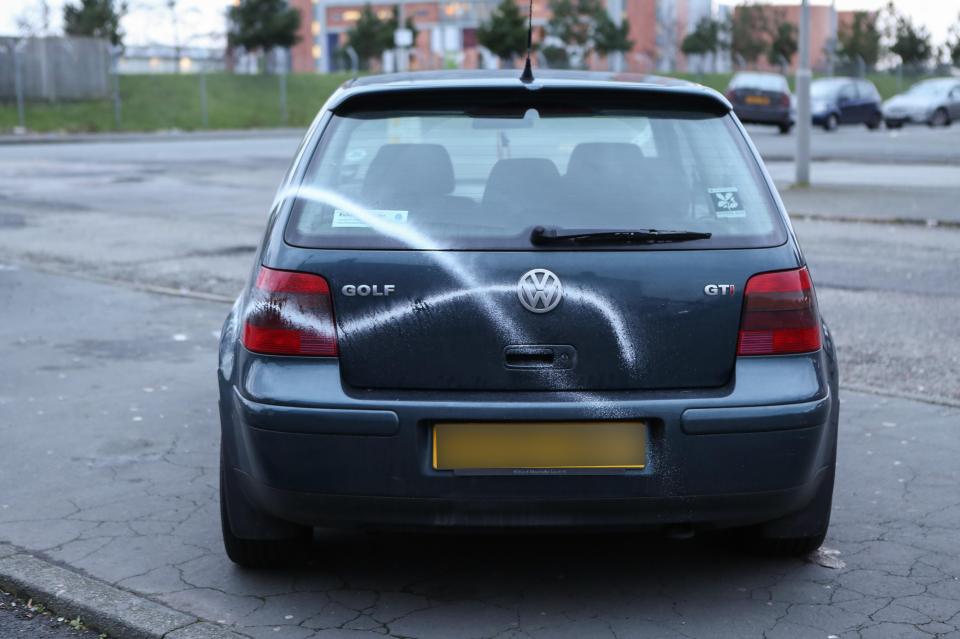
(726, 202)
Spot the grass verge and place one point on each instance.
(158, 102)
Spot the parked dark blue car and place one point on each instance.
(762, 98)
(836, 101)
(482, 302)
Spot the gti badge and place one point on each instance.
(719, 289)
(539, 290)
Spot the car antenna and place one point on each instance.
(527, 76)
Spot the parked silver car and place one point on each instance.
(934, 102)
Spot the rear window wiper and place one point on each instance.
(541, 236)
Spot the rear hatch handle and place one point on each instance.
(526, 356)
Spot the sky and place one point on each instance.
(201, 22)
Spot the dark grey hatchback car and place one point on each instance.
(489, 303)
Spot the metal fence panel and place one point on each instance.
(56, 68)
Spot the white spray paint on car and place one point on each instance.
(472, 287)
(412, 237)
(611, 315)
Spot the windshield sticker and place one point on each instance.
(726, 202)
(344, 220)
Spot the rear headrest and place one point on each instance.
(518, 182)
(590, 160)
(409, 169)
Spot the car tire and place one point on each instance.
(801, 532)
(892, 124)
(940, 117)
(784, 128)
(257, 553)
(797, 534)
(831, 123)
(874, 123)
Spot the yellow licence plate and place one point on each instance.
(520, 445)
(757, 99)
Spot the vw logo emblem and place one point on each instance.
(539, 290)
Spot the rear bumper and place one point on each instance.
(764, 115)
(906, 118)
(749, 453)
(703, 511)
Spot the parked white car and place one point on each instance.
(934, 102)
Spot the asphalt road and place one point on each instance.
(110, 429)
(855, 143)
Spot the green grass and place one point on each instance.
(157, 102)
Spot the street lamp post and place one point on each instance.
(802, 177)
(16, 49)
(403, 57)
(615, 10)
(116, 51)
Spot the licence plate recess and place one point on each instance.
(472, 446)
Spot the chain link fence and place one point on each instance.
(85, 85)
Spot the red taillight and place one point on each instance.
(779, 315)
(785, 100)
(290, 314)
(730, 94)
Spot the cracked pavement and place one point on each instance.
(108, 416)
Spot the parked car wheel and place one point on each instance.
(939, 118)
(785, 128)
(893, 124)
(874, 122)
(831, 123)
(256, 553)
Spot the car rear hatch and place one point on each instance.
(420, 218)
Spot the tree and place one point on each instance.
(706, 38)
(608, 36)
(505, 33)
(783, 44)
(572, 22)
(953, 44)
(392, 25)
(262, 25)
(702, 40)
(556, 57)
(95, 19)
(748, 32)
(910, 43)
(370, 36)
(860, 38)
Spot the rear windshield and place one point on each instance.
(483, 176)
(933, 87)
(760, 81)
(827, 87)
